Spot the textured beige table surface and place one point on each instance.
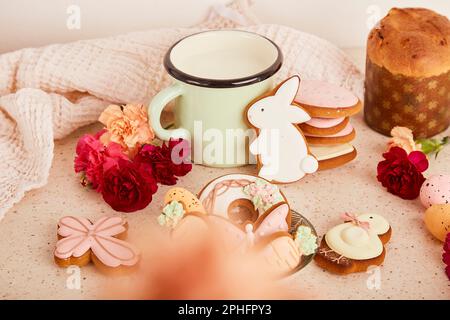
(412, 270)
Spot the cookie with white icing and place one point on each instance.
(355, 245)
(333, 156)
(280, 146)
(325, 100)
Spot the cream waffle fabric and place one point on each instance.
(46, 93)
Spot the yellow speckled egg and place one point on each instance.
(437, 220)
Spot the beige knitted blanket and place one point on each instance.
(46, 93)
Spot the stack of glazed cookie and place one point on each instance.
(329, 132)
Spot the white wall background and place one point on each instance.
(27, 23)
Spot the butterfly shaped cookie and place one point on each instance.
(81, 241)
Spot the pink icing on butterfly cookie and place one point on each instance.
(325, 95)
(79, 235)
(324, 123)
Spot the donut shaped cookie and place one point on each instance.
(241, 198)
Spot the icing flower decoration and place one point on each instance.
(446, 255)
(306, 240)
(401, 173)
(126, 125)
(349, 217)
(402, 137)
(264, 194)
(171, 214)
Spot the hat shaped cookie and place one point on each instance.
(280, 147)
(355, 245)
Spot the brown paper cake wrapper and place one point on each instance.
(421, 104)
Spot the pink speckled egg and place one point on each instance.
(435, 190)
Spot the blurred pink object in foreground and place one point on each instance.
(199, 268)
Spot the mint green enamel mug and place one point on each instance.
(215, 75)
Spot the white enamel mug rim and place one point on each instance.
(187, 77)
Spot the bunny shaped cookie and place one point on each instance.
(280, 146)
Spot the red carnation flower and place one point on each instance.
(168, 161)
(446, 255)
(93, 158)
(401, 173)
(128, 186)
(179, 151)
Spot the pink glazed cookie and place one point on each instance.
(435, 190)
(325, 100)
(324, 126)
(81, 241)
(344, 136)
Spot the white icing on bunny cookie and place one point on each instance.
(280, 145)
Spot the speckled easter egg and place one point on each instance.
(437, 220)
(435, 190)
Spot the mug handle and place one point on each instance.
(156, 107)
